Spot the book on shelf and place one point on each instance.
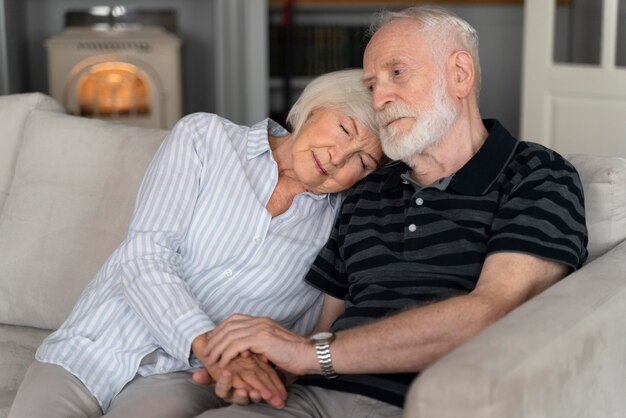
(311, 50)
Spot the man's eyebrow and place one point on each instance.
(367, 79)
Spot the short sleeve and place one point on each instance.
(542, 213)
(328, 271)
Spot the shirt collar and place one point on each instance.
(258, 144)
(480, 172)
(258, 137)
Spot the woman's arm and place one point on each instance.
(151, 272)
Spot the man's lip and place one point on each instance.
(318, 165)
(394, 120)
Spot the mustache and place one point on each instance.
(393, 111)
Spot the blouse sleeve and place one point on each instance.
(153, 282)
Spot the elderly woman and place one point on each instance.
(228, 220)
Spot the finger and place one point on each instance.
(224, 333)
(255, 396)
(270, 378)
(276, 402)
(241, 397)
(253, 374)
(229, 352)
(202, 377)
(224, 385)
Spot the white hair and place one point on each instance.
(342, 90)
(449, 31)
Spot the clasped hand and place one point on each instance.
(237, 355)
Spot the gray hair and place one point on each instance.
(342, 90)
(441, 25)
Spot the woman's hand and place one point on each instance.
(248, 378)
(240, 333)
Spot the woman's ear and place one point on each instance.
(462, 65)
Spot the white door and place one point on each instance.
(573, 108)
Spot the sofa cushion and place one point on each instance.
(17, 351)
(69, 206)
(14, 110)
(604, 185)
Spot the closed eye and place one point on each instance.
(363, 163)
(344, 129)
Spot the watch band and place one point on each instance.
(322, 349)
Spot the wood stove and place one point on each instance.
(128, 75)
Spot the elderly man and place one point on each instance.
(427, 252)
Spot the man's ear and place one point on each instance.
(462, 66)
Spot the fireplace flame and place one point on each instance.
(113, 88)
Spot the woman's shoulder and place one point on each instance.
(202, 122)
(209, 130)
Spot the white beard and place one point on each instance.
(430, 125)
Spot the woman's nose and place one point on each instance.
(340, 155)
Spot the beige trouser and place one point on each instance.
(50, 391)
(313, 402)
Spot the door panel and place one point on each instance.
(572, 108)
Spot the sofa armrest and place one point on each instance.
(561, 354)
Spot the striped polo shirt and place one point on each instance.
(397, 245)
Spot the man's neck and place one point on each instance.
(451, 153)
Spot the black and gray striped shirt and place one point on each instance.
(397, 245)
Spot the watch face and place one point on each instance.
(321, 336)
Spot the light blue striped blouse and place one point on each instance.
(201, 246)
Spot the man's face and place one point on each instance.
(409, 90)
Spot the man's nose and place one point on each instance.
(381, 95)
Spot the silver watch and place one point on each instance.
(322, 341)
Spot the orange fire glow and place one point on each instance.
(113, 88)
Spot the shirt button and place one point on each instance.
(257, 239)
(419, 201)
(228, 273)
(412, 228)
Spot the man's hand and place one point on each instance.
(245, 379)
(240, 333)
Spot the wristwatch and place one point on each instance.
(322, 341)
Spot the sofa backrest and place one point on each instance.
(71, 196)
(14, 111)
(604, 185)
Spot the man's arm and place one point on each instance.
(406, 342)
(411, 340)
(331, 309)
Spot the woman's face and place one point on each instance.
(333, 151)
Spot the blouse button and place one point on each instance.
(412, 228)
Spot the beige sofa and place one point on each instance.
(67, 190)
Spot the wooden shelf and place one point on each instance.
(327, 3)
(407, 3)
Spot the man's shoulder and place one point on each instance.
(530, 156)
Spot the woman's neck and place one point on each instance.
(288, 185)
